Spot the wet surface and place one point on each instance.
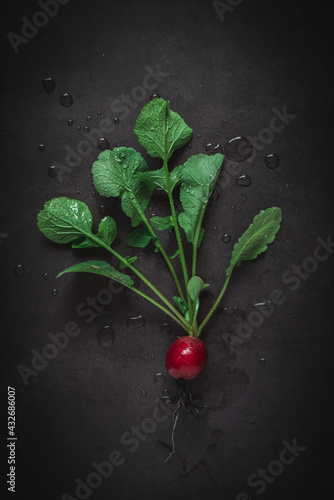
(85, 356)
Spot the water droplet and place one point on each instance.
(52, 171)
(232, 207)
(215, 228)
(116, 120)
(154, 96)
(262, 361)
(88, 119)
(103, 209)
(70, 122)
(99, 113)
(159, 378)
(287, 186)
(244, 180)
(48, 84)
(152, 356)
(86, 129)
(54, 291)
(265, 306)
(78, 127)
(66, 100)
(41, 147)
(77, 191)
(143, 393)
(214, 195)
(105, 336)
(19, 270)
(135, 322)
(45, 276)
(93, 193)
(238, 149)
(103, 143)
(226, 238)
(271, 160)
(190, 145)
(243, 198)
(211, 149)
(166, 328)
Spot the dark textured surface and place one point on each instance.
(226, 78)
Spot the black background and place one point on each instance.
(224, 77)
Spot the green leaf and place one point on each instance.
(107, 233)
(161, 131)
(115, 174)
(198, 178)
(195, 286)
(102, 268)
(130, 260)
(157, 178)
(64, 220)
(139, 238)
(162, 223)
(182, 304)
(257, 237)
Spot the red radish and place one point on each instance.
(186, 357)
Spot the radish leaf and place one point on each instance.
(139, 237)
(107, 233)
(195, 286)
(198, 178)
(157, 178)
(162, 223)
(183, 306)
(102, 268)
(257, 237)
(114, 174)
(161, 131)
(64, 220)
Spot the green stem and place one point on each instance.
(162, 250)
(178, 237)
(142, 277)
(142, 294)
(220, 296)
(195, 244)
